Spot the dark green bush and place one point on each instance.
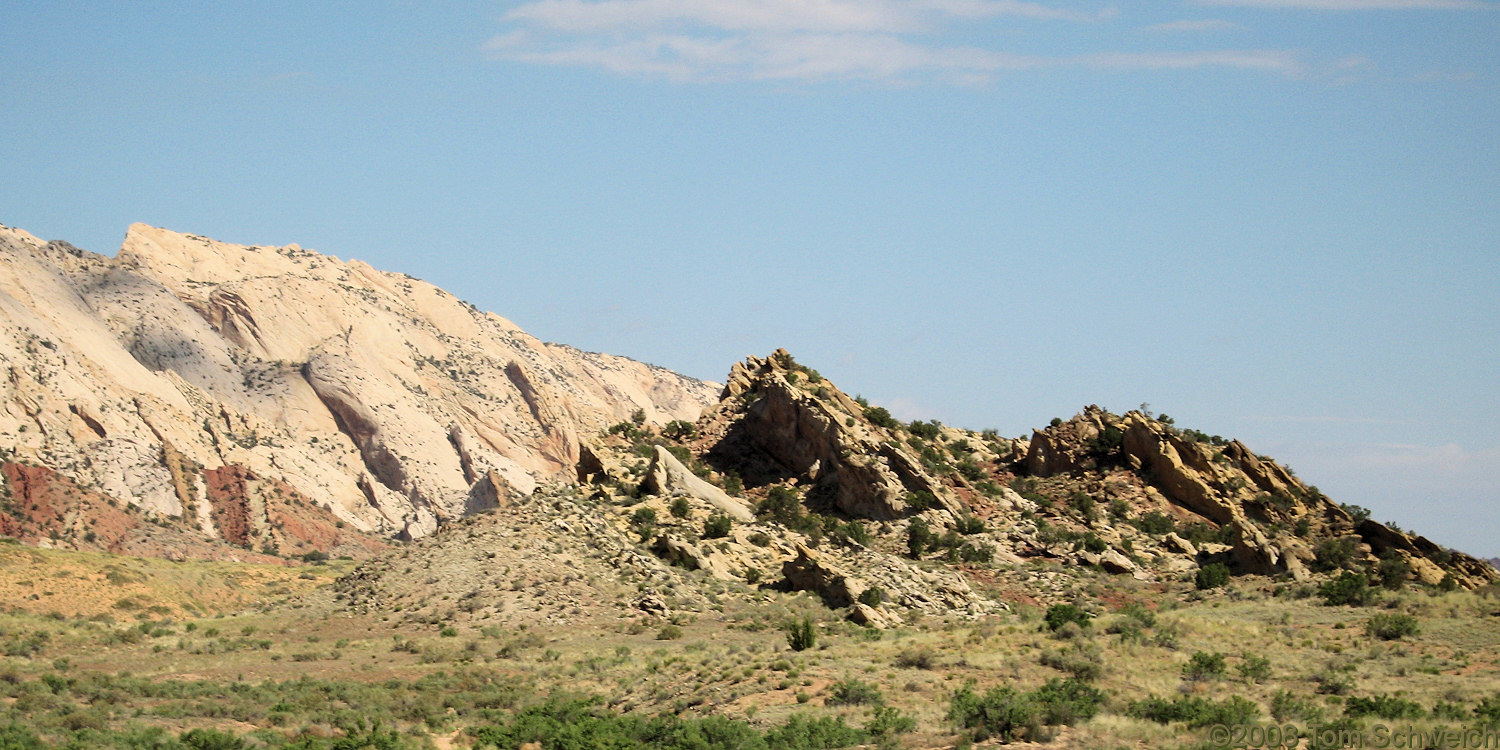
(1383, 706)
(976, 553)
(1390, 626)
(1488, 710)
(878, 416)
(209, 739)
(1195, 711)
(680, 508)
(1393, 570)
(801, 635)
(1212, 576)
(1351, 589)
(919, 537)
(1204, 665)
(852, 692)
(1009, 714)
(873, 596)
(1333, 554)
(1003, 712)
(566, 725)
(1064, 702)
(781, 505)
(919, 501)
(717, 526)
(1255, 669)
(1061, 614)
(1155, 523)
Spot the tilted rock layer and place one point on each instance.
(190, 380)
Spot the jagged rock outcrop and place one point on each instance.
(809, 571)
(1255, 501)
(667, 476)
(393, 404)
(775, 421)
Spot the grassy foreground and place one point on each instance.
(103, 651)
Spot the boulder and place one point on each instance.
(667, 476)
(810, 571)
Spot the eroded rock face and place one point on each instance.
(809, 571)
(667, 476)
(815, 434)
(393, 403)
(1228, 485)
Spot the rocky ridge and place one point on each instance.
(788, 484)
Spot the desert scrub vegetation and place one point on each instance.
(563, 723)
(1009, 714)
(1390, 626)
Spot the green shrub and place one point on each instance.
(1007, 714)
(1003, 712)
(878, 416)
(801, 635)
(1061, 614)
(1390, 626)
(1351, 589)
(1488, 710)
(1255, 669)
(1212, 576)
(925, 430)
(851, 534)
(1138, 612)
(1204, 665)
(1356, 512)
(976, 553)
(1393, 570)
(680, 508)
(669, 633)
(580, 724)
(1082, 663)
(1195, 711)
(1333, 554)
(968, 525)
(643, 517)
(1155, 523)
(1286, 705)
(919, 501)
(873, 596)
(781, 505)
(1383, 706)
(717, 526)
(1064, 702)
(919, 537)
(1092, 543)
(207, 739)
(852, 692)
(886, 723)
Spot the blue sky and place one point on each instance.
(1277, 220)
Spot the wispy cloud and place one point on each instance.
(815, 40)
(1360, 4)
(1194, 26)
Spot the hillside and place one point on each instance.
(277, 399)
